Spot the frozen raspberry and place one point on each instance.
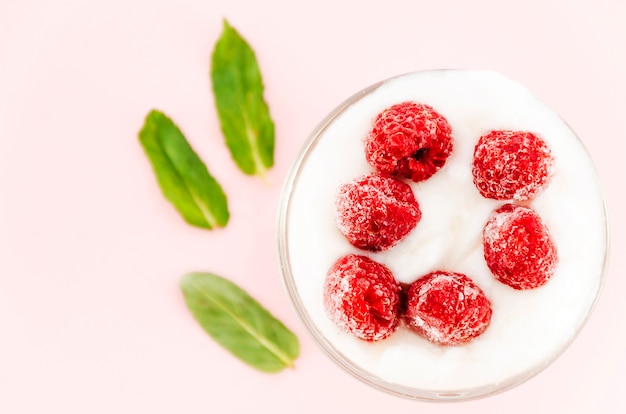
(511, 165)
(447, 308)
(362, 297)
(409, 140)
(374, 212)
(518, 247)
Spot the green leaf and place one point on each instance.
(243, 113)
(181, 174)
(239, 323)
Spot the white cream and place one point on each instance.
(528, 328)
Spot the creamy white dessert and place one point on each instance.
(530, 328)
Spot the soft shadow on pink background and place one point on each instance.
(91, 318)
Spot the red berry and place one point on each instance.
(518, 247)
(362, 297)
(511, 165)
(447, 308)
(409, 140)
(374, 212)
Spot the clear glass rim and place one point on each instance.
(339, 358)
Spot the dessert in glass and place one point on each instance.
(443, 235)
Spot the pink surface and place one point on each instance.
(91, 318)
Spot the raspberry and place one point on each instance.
(362, 297)
(447, 308)
(409, 140)
(511, 165)
(374, 212)
(518, 247)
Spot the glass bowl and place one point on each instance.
(529, 329)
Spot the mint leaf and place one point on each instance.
(239, 323)
(243, 113)
(181, 174)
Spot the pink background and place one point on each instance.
(91, 318)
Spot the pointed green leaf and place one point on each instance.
(244, 115)
(181, 174)
(239, 323)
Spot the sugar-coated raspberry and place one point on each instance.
(409, 140)
(511, 165)
(447, 308)
(362, 297)
(374, 211)
(518, 247)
